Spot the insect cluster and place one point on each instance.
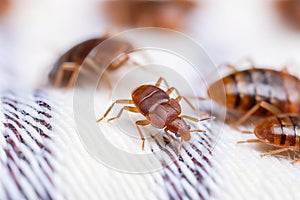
(160, 110)
(251, 92)
(264, 92)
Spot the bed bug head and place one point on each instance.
(180, 128)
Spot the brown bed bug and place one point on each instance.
(247, 91)
(66, 69)
(4, 6)
(171, 14)
(160, 110)
(281, 131)
(289, 11)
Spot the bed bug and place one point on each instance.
(160, 110)
(249, 90)
(281, 130)
(4, 6)
(165, 14)
(289, 11)
(66, 69)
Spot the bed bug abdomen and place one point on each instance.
(146, 96)
(163, 113)
(281, 130)
(245, 89)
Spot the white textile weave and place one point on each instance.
(43, 158)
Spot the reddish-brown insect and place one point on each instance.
(160, 110)
(249, 90)
(289, 11)
(66, 69)
(4, 6)
(166, 14)
(281, 130)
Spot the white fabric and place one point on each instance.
(228, 30)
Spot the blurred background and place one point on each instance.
(33, 34)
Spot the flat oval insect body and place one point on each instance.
(156, 105)
(248, 88)
(281, 130)
(75, 55)
(160, 110)
(66, 69)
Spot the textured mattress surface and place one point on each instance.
(42, 155)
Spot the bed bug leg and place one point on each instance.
(66, 66)
(73, 78)
(179, 97)
(59, 77)
(199, 130)
(249, 141)
(120, 101)
(295, 161)
(169, 136)
(160, 80)
(197, 120)
(247, 132)
(141, 123)
(250, 62)
(277, 151)
(284, 70)
(262, 104)
(191, 106)
(128, 108)
(229, 66)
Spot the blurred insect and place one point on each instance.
(4, 6)
(66, 69)
(289, 11)
(171, 14)
(160, 110)
(281, 130)
(250, 90)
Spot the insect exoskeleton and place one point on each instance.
(288, 10)
(247, 91)
(165, 14)
(66, 69)
(160, 110)
(281, 130)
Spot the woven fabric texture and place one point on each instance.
(42, 157)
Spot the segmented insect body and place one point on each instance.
(248, 88)
(161, 111)
(281, 130)
(288, 10)
(66, 69)
(75, 55)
